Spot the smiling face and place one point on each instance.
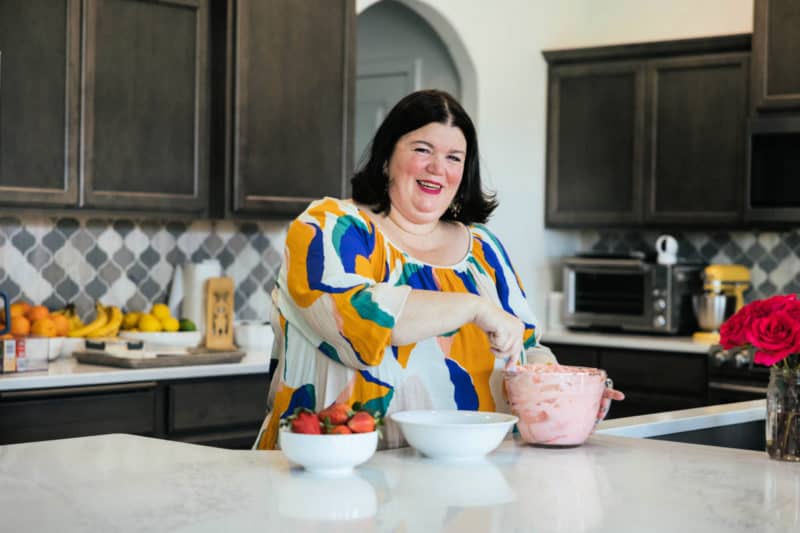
(425, 171)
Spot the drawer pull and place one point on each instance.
(92, 389)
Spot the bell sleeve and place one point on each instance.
(510, 295)
(334, 285)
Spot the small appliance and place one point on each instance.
(630, 292)
(722, 296)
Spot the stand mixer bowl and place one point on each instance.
(712, 309)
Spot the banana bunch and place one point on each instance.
(72, 317)
(106, 323)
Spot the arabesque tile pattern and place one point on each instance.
(131, 263)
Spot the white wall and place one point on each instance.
(503, 40)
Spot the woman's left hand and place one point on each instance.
(605, 403)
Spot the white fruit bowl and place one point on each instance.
(333, 455)
(188, 339)
(453, 435)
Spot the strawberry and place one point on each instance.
(338, 430)
(361, 422)
(306, 421)
(336, 413)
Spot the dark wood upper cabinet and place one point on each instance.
(648, 134)
(594, 142)
(39, 96)
(287, 112)
(776, 49)
(146, 110)
(696, 139)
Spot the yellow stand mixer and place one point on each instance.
(723, 295)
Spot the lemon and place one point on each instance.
(160, 311)
(130, 320)
(170, 324)
(149, 323)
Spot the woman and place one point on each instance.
(400, 298)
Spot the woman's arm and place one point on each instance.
(428, 314)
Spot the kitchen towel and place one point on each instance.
(194, 280)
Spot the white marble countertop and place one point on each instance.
(644, 426)
(67, 372)
(124, 483)
(624, 340)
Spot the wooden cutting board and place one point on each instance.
(219, 314)
(96, 357)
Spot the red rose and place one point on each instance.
(733, 331)
(775, 336)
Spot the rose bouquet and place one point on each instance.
(771, 327)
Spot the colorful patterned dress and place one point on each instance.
(341, 288)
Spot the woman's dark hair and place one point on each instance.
(418, 109)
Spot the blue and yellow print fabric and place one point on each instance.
(341, 288)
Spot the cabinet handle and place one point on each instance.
(39, 393)
(736, 388)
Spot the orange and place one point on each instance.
(37, 312)
(44, 327)
(62, 324)
(16, 309)
(20, 326)
(7, 336)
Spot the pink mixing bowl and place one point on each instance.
(556, 405)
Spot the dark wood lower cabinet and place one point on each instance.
(222, 411)
(653, 381)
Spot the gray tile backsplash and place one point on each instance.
(773, 257)
(130, 263)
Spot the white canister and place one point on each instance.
(194, 283)
(555, 311)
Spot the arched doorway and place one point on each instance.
(400, 49)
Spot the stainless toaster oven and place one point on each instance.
(630, 294)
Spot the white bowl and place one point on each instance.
(454, 435)
(328, 454)
(255, 337)
(166, 338)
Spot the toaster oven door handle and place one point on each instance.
(736, 388)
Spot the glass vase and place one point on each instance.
(783, 414)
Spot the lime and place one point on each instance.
(187, 325)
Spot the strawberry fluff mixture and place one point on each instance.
(557, 405)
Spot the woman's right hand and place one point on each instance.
(503, 329)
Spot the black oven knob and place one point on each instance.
(741, 360)
(660, 304)
(720, 358)
(659, 321)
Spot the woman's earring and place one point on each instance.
(455, 208)
(385, 169)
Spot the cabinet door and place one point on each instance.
(218, 412)
(145, 102)
(594, 139)
(45, 414)
(776, 47)
(655, 372)
(39, 83)
(575, 355)
(292, 103)
(697, 112)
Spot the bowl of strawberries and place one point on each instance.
(331, 442)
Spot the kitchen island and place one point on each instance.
(129, 483)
